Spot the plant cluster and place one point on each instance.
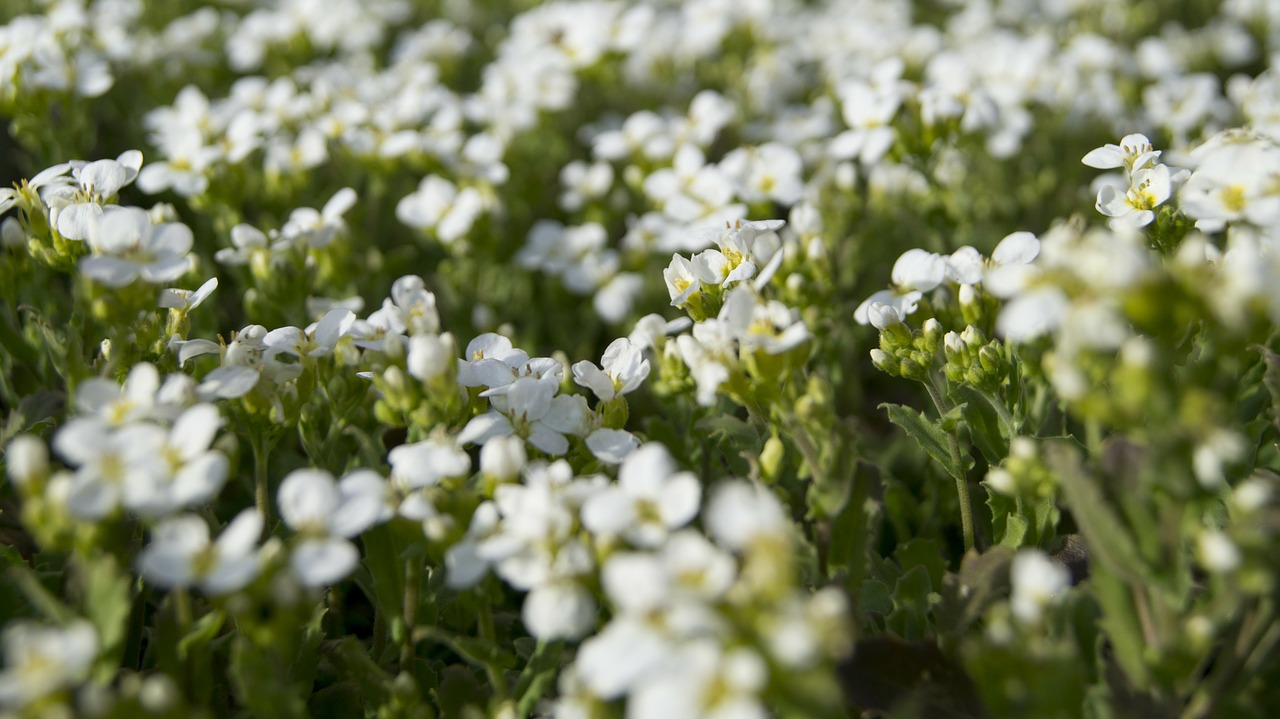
(644, 359)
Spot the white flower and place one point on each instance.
(624, 369)
(41, 660)
(502, 458)
(410, 309)
(650, 499)
(98, 183)
(559, 610)
(1149, 188)
(181, 555)
(704, 681)
(308, 228)
(317, 341)
(1036, 580)
(1133, 153)
(425, 464)
(914, 273)
(740, 512)
(1217, 552)
(120, 404)
(490, 360)
(438, 205)
(126, 247)
(26, 459)
(174, 298)
(611, 446)
(529, 407)
(431, 356)
(326, 513)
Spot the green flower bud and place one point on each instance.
(992, 360)
(932, 333)
(771, 458)
(914, 370)
(886, 362)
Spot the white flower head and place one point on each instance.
(181, 555)
(40, 660)
(650, 499)
(326, 514)
(1133, 153)
(624, 368)
(1036, 580)
(127, 247)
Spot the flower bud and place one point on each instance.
(883, 316)
(885, 362)
(932, 332)
(27, 458)
(973, 336)
(914, 370)
(771, 458)
(430, 356)
(502, 458)
(992, 361)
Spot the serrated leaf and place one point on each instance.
(926, 433)
(1015, 531)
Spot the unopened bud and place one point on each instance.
(771, 458)
(503, 458)
(885, 362)
(932, 332)
(27, 458)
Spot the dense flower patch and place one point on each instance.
(612, 358)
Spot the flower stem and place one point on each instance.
(962, 483)
(261, 492)
(412, 586)
(485, 625)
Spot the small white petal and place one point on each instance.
(321, 562)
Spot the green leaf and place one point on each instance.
(538, 676)
(34, 409)
(1271, 378)
(985, 428)
(40, 598)
(924, 552)
(1015, 531)
(202, 632)
(1109, 541)
(885, 673)
(926, 433)
(107, 601)
(728, 427)
(260, 685)
(477, 651)
(850, 529)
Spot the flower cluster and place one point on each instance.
(447, 359)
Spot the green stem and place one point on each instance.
(261, 491)
(487, 632)
(962, 484)
(412, 587)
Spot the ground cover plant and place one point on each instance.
(639, 359)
